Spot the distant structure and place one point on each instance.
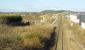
(77, 18)
(46, 19)
(81, 17)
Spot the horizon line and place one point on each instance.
(4, 10)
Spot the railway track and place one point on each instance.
(59, 35)
(59, 41)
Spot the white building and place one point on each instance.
(73, 18)
(78, 19)
(83, 25)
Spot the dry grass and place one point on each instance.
(17, 38)
(79, 34)
(32, 36)
(24, 37)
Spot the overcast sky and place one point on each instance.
(39, 5)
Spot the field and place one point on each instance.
(19, 32)
(23, 37)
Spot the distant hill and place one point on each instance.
(56, 11)
(52, 11)
(41, 12)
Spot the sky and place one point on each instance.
(40, 5)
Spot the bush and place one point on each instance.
(10, 19)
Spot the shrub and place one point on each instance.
(10, 19)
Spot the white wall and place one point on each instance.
(73, 18)
(83, 25)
